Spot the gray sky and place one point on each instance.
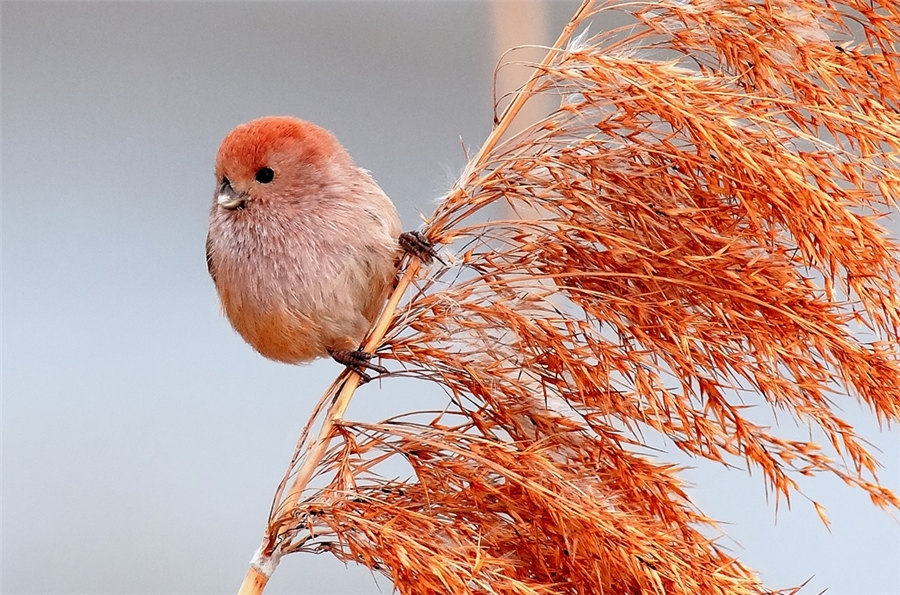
(142, 440)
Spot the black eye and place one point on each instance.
(265, 175)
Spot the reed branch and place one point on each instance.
(697, 234)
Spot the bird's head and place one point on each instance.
(274, 159)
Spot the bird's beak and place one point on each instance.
(228, 198)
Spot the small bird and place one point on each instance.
(303, 245)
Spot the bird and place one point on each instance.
(303, 245)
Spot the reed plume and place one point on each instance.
(705, 230)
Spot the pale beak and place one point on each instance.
(228, 198)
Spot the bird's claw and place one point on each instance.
(415, 243)
(358, 361)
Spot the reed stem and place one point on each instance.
(255, 581)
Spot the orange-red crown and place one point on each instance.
(251, 146)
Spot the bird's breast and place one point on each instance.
(293, 294)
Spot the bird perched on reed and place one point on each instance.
(302, 244)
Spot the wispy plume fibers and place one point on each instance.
(705, 229)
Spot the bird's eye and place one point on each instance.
(265, 175)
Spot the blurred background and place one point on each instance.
(142, 440)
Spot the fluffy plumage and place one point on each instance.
(303, 255)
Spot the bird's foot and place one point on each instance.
(358, 361)
(413, 242)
